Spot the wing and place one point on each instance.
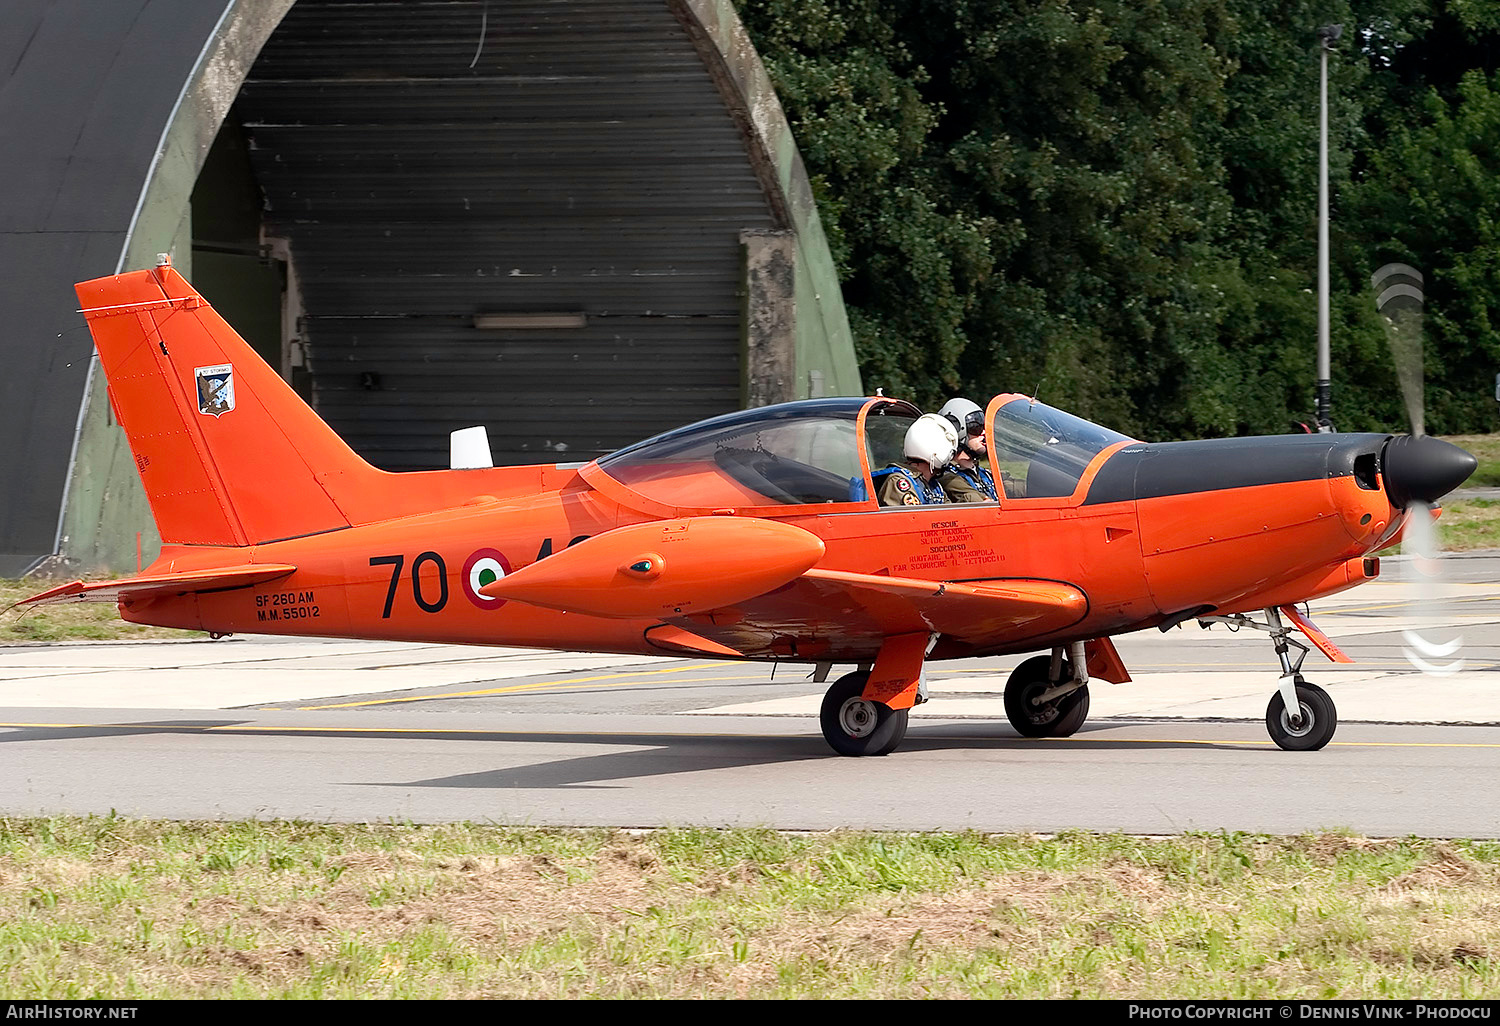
(840, 616)
(161, 584)
(727, 586)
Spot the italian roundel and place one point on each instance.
(484, 567)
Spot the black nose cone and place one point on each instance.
(1423, 469)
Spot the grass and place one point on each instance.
(1486, 449)
(1470, 524)
(112, 908)
(69, 621)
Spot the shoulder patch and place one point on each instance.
(910, 499)
(903, 483)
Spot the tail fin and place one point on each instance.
(228, 453)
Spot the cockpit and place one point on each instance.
(823, 452)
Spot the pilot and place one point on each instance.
(928, 447)
(965, 480)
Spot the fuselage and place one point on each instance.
(1149, 533)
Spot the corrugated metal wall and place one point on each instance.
(432, 160)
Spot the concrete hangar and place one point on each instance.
(576, 222)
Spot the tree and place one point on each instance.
(1115, 203)
(1431, 199)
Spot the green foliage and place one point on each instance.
(1433, 188)
(1115, 203)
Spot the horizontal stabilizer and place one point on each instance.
(665, 568)
(161, 584)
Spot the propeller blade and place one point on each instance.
(1425, 647)
(1428, 648)
(1399, 298)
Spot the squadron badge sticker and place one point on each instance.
(215, 389)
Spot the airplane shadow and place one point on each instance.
(651, 754)
(60, 732)
(666, 755)
(674, 754)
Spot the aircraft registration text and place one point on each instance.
(285, 605)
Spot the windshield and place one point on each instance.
(803, 452)
(1042, 452)
(885, 434)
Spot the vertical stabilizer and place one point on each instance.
(228, 453)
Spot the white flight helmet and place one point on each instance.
(965, 415)
(931, 438)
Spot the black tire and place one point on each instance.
(1319, 720)
(854, 726)
(1060, 717)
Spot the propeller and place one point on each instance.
(1419, 470)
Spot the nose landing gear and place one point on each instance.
(1301, 716)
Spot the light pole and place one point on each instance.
(1327, 36)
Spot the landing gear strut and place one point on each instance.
(1301, 717)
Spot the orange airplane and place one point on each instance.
(754, 535)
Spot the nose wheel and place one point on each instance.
(854, 725)
(1310, 727)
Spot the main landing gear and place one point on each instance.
(1046, 696)
(854, 725)
(1300, 716)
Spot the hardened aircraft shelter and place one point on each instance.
(575, 222)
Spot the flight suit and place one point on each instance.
(902, 487)
(968, 485)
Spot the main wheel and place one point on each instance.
(1060, 717)
(1314, 729)
(853, 725)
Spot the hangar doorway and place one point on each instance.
(521, 215)
(246, 275)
